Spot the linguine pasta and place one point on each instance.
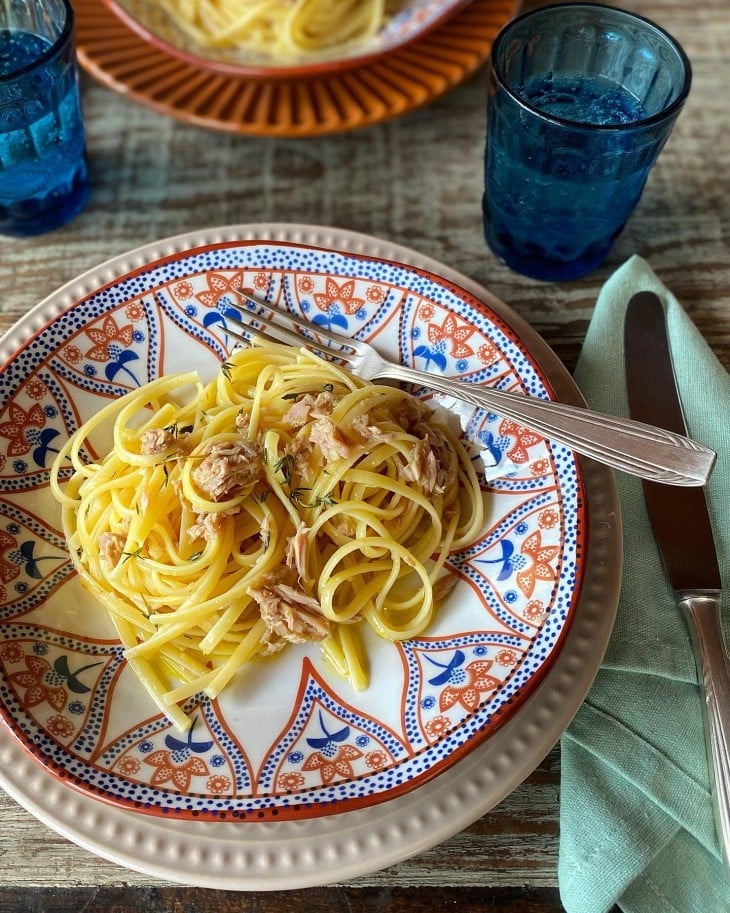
(283, 29)
(286, 501)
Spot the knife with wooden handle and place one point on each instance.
(682, 529)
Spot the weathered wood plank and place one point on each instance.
(320, 900)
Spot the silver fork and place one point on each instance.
(632, 447)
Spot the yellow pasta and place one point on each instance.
(281, 29)
(286, 501)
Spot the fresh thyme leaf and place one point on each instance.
(137, 553)
(196, 555)
(328, 388)
(285, 466)
(297, 496)
(226, 369)
(286, 460)
(291, 395)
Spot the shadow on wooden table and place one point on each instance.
(316, 900)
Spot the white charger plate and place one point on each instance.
(319, 844)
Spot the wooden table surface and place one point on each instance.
(417, 181)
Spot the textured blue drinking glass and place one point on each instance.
(43, 175)
(582, 99)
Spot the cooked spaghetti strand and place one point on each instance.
(286, 501)
(281, 29)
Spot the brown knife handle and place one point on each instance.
(703, 616)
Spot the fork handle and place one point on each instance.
(703, 617)
(633, 447)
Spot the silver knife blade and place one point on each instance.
(679, 516)
(682, 529)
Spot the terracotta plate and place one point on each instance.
(401, 81)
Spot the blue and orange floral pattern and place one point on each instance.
(450, 683)
(289, 739)
(337, 302)
(205, 759)
(328, 741)
(448, 339)
(58, 684)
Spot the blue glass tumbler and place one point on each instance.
(43, 174)
(582, 99)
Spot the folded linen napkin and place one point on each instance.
(636, 819)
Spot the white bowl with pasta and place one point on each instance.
(282, 37)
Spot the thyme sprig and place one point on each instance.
(137, 553)
(297, 496)
(284, 465)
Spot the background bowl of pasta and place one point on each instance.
(281, 37)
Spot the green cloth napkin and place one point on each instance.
(636, 819)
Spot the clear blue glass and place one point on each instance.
(44, 179)
(582, 99)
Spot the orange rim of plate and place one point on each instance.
(398, 83)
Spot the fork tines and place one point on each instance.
(308, 335)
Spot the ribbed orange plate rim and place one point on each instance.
(398, 83)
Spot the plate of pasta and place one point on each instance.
(241, 585)
(282, 37)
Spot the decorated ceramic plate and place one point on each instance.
(454, 721)
(288, 738)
